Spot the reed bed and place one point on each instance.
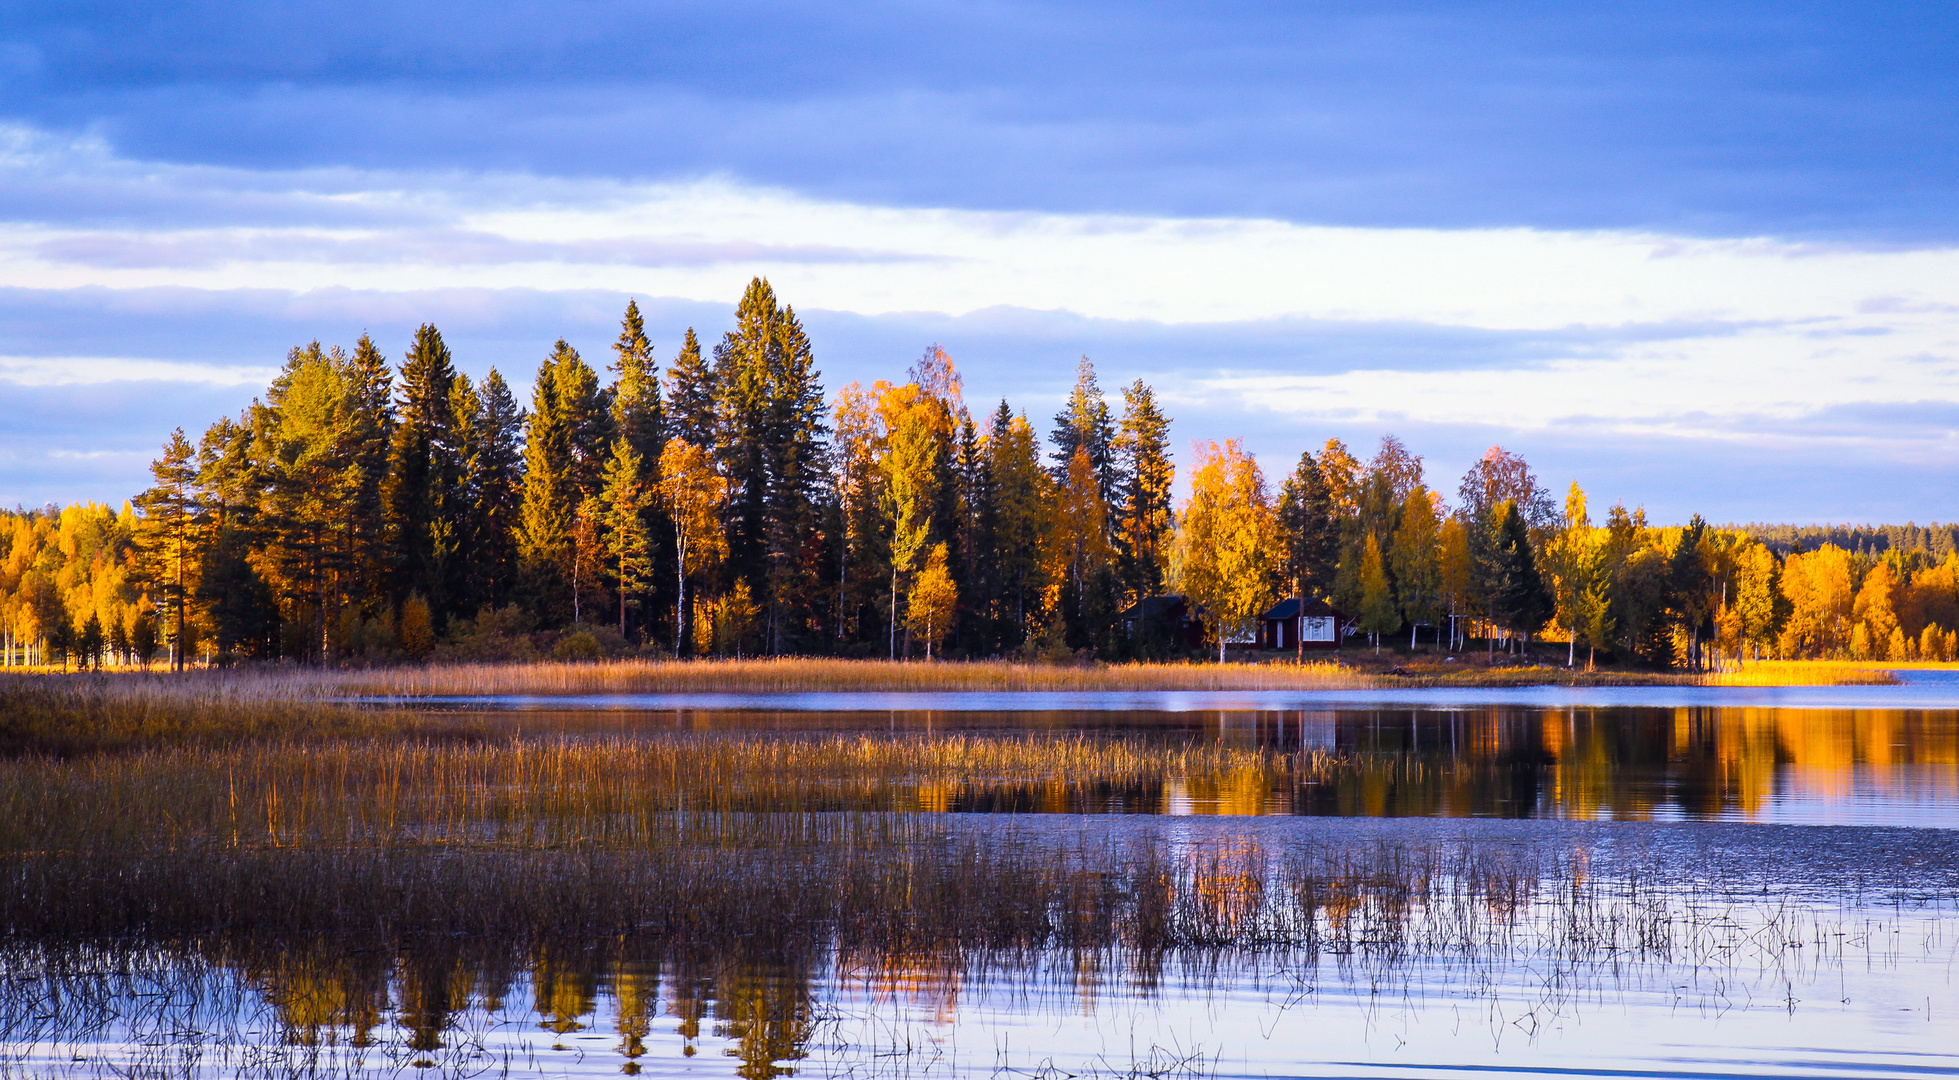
(790, 675)
(79, 714)
(1801, 673)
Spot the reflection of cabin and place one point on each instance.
(1167, 619)
(1296, 623)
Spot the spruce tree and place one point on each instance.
(1144, 513)
(1084, 424)
(497, 491)
(371, 425)
(769, 410)
(1310, 531)
(585, 410)
(636, 413)
(691, 396)
(544, 517)
(426, 504)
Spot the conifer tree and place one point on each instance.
(769, 407)
(1143, 461)
(1309, 532)
(426, 504)
(544, 516)
(1023, 497)
(371, 423)
(496, 491)
(585, 412)
(691, 396)
(169, 532)
(636, 414)
(625, 528)
(1084, 424)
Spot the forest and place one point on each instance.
(364, 512)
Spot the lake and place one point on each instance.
(1628, 881)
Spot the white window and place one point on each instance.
(1319, 628)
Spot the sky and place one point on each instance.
(1701, 258)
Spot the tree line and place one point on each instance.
(363, 511)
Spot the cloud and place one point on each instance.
(1732, 118)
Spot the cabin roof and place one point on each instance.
(1292, 607)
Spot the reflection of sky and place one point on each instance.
(1867, 995)
(1700, 257)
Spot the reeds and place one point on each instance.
(77, 714)
(783, 675)
(1800, 673)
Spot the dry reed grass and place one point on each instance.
(76, 714)
(788, 675)
(1801, 673)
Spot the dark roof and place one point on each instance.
(1291, 608)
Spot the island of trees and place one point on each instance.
(367, 512)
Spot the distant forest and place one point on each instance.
(367, 512)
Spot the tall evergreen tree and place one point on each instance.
(497, 491)
(770, 411)
(691, 396)
(426, 503)
(1084, 424)
(636, 413)
(1143, 531)
(170, 531)
(371, 423)
(1309, 529)
(550, 493)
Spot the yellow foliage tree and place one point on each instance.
(692, 493)
(933, 600)
(1224, 561)
(1817, 585)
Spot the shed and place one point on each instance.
(1294, 623)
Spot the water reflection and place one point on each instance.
(1796, 766)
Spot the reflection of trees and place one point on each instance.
(317, 997)
(768, 1013)
(566, 990)
(433, 991)
(1629, 764)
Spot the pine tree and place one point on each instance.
(170, 531)
(585, 410)
(1023, 497)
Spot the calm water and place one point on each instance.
(1672, 882)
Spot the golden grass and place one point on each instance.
(794, 675)
(1802, 673)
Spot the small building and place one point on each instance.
(1167, 619)
(1294, 624)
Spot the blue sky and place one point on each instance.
(1699, 257)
